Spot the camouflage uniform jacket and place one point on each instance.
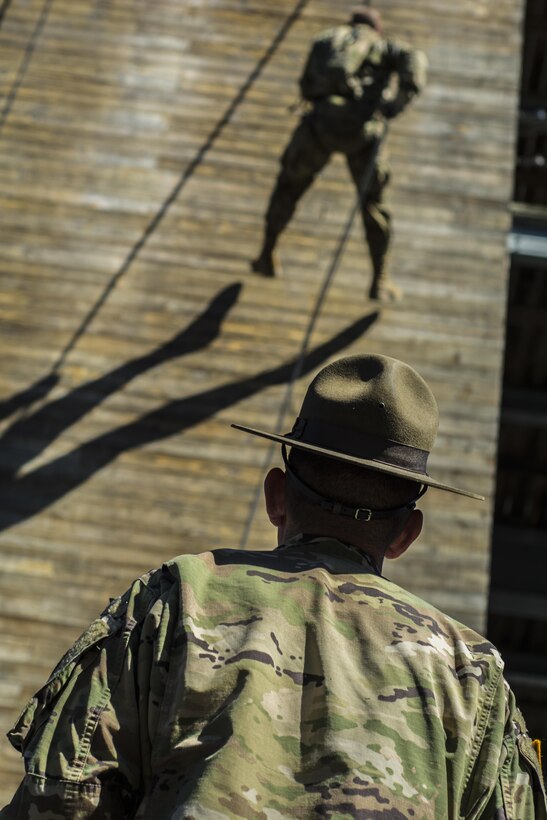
(368, 62)
(290, 684)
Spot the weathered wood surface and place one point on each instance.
(128, 458)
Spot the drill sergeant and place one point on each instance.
(345, 80)
(297, 682)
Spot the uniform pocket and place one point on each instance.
(529, 754)
(521, 779)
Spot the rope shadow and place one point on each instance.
(32, 394)
(34, 492)
(27, 396)
(25, 61)
(3, 10)
(185, 176)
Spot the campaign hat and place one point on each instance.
(370, 410)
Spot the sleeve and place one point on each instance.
(86, 735)
(310, 83)
(506, 780)
(410, 66)
(520, 777)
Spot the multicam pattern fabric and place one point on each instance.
(289, 684)
(352, 65)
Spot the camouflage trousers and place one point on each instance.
(307, 153)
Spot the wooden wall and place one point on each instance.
(138, 146)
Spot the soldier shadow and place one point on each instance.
(26, 496)
(26, 438)
(28, 396)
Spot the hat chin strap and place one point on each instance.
(337, 508)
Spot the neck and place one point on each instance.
(288, 531)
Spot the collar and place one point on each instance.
(330, 547)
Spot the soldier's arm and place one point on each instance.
(410, 66)
(507, 766)
(86, 735)
(520, 779)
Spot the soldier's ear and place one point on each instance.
(406, 536)
(274, 493)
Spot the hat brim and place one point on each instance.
(371, 464)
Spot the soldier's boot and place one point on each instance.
(383, 288)
(266, 263)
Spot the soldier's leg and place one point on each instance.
(302, 160)
(376, 222)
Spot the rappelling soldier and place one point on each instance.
(353, 81)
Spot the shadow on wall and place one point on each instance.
(26, 496)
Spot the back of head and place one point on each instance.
(368, 16)
(351, 485)
(366, 427)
